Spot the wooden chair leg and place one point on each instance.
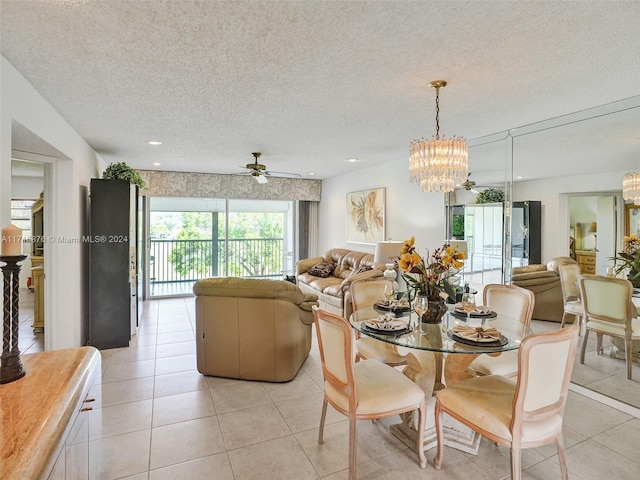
(516, 460)
(584, 345)
(599, 348)
(562, 458)
(579, 319)
(437, 461)
(564, 319)
(353, 447)
(627, 356)
(322, 418)
(422, 420)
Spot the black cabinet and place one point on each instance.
(526, 236)
(112, 256)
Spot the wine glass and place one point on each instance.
(420, 306)
(389, 294)
(468, 304)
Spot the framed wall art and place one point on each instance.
(632, 219)
(366, 216)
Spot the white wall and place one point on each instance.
(65, 205)
(409, 211)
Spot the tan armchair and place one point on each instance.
(252, 329)
(544, 282)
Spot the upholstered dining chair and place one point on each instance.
(365, 293)
(366, 390)
(519, 415)
(607, 310)
(569, 278)
(509, 301)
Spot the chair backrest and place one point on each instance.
(569, 281)
(510, 300)
(336, 345)
(607, 299)
(545, 364)
(365, 293)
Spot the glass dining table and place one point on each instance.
(437, 357)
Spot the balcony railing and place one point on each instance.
(186, 261)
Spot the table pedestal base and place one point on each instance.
(456, 435)
(425, 369)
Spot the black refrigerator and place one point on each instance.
(112, 263)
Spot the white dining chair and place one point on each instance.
(524, 414)
(364, 390)
(365, 293)
(569, 281)
(608, 311)
(508, 301)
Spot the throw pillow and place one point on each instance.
(322, 269)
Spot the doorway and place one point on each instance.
(594, 230)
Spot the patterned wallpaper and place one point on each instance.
(213, 185)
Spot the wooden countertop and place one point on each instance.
(35, 410)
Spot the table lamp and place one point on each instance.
(388, 252)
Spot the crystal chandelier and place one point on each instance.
(631, 187)
(439, 164)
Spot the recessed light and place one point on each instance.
(311, 173)
(519, 177)
(352, 160)
(156, 164)
(154, 142)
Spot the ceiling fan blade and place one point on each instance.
(283, 174)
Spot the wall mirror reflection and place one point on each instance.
(574, 166)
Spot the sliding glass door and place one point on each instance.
(194, 238)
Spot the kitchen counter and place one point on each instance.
(38, 411)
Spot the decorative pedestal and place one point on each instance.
(425, 369)
(10, 364)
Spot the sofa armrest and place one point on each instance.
(308, 301)
(346, 283)
(303, 266)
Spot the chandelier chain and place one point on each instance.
(437, 113)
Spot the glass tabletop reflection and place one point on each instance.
(436, 337)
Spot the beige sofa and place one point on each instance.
(252, 329)
(544, 282)
(333, 291)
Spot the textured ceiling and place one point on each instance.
(313, 83)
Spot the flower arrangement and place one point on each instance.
(429, 277)
(629, 258)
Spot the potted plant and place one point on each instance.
(122, 171)
(629, 259)
(490, 195)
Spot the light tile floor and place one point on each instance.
(161, 420)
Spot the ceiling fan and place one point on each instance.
(260, 172)
(469, 185)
